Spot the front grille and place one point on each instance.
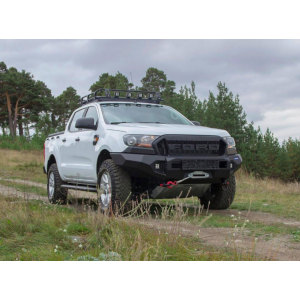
(198, 146)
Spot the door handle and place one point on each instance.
(77, 140)
(64, 140)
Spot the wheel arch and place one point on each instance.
(104, 155)
(51, 160)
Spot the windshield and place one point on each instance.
(116, 113)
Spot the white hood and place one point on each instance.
(162, 129)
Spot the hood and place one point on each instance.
(162, 129)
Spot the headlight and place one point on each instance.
(139, 140)
(230, 141)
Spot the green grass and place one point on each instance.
(33, 231)
(296, 235)
(22, 143)
(268, 196)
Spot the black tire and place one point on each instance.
(120, 189)
(219, 196)
(59, 194)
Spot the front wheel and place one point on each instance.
(114, 186)
(219, 196)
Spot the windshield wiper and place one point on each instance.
(152, 122)
(119, 122)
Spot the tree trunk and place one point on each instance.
(15, 124)
(10, 117)
(20, 125)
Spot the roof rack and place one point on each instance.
(140, 96)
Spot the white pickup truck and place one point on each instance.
(127, 147)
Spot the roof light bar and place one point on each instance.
(104, 94)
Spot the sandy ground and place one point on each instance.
(276, 248)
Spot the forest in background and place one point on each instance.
(27, 105)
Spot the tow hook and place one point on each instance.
(169, 184)
(225, 185)
(193, 175)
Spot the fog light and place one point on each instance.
(231, 166)
(157, 166)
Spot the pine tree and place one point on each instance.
(118, 81)
(293, 152)
(225, 112)
(21, 96)
(63, 106)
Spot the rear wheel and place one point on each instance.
(56, 194)
(220, 196)
(114, 186)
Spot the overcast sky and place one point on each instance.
(265, 73)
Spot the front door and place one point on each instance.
(67, 149)
(85, 150)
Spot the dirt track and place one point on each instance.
(279, 248)
(12, 192)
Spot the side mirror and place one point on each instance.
(85, 123)
(196, 123)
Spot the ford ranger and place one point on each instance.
(124, 144)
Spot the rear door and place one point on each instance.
(67, 149)
(85, 150)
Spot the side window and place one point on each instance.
(77, 115)
(92, 113)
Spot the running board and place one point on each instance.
(78, 187)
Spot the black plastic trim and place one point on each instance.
(139, 150)
(188, 138)
(80, 187)
(143, 165)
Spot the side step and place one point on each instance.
(79, 187)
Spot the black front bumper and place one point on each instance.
(175, 168)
